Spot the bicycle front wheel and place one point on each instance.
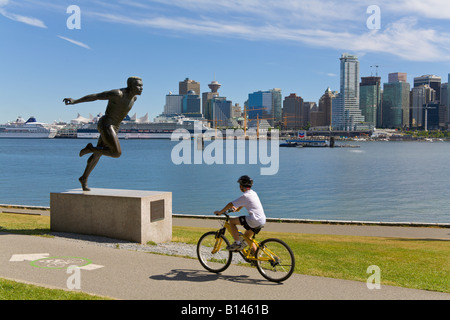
(275, 260)
(212, 252)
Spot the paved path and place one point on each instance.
(124, 274)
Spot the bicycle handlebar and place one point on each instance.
(226, 213)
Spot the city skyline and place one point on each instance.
(246, 46)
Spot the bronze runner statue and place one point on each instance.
(120, 102)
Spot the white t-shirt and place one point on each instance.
(251, 202)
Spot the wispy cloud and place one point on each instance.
(20, 18)
(411, 29)
(80, 44)
(24, 19)
(403, 38)
(434, 9)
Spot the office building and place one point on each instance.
(322, 116)
(421, 96)
(347, 115)
(174, 104)
(265, 105)
(221, 111)
(277, 105)
(433, 81)
(308, 107)
(191, 104)
(395, 105)
(259, 105)
(370, 99)
(337, 112)
(432, 114)
(397, 77)
(293, 113)
(188, 85)
(443, 107)
(447, 104)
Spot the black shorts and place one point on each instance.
(243, 221)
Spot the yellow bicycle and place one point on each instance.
(273, 258)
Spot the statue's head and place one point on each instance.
(135, 85)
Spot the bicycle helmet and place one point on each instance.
(245, 181)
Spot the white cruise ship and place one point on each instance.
(144, 130)
(30, 129)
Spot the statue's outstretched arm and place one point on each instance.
(106, 95)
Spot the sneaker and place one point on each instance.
(236, 247)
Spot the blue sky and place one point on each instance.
(247, 45)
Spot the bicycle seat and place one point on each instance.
(257, 230)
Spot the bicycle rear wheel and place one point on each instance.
(275, 260)
(214, 258)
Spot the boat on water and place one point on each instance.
(30, 129)
(313, 143)
(147, 130)
(306, 143)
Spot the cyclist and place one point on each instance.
(252, 223)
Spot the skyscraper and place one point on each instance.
(265, 105)
(397, 77)
(337, 112)
(174, 104)
(191, 104)
(448, 99)
(276, 103)
(443, 107)
(396, 98)
(433, 81)
(370, 99)
(322, 117)
(221, 110)
(421, 96)
(348, 115)
(260, 105)
(188, 85)
(292, 117)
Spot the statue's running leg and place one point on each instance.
(108, 145)
(88, 149)
(91, 163)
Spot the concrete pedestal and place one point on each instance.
(133, 215)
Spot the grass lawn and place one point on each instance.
(12, 290)
(410, 263)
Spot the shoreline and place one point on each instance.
(43, 210)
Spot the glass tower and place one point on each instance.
(221, 109)
(396, 97)
(448, 98)
(191, 103)
(259, 104)
(433, 81)
(349, 117)
(370, 99)
(276, 103)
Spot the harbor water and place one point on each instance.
(380, 181)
